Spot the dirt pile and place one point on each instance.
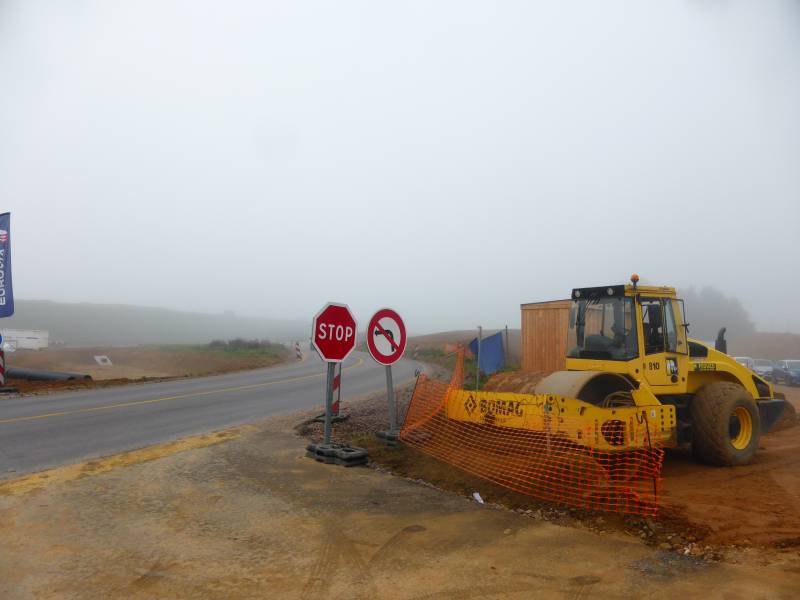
(361, 418)
(514, 381)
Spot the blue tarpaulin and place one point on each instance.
(493, 356)
(6, 291)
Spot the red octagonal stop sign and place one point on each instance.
(334, 332)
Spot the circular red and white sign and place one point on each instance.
(386, 336)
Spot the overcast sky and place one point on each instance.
(448, 159)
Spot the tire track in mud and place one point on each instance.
(584, 584)
(335, 547)
(340, 552)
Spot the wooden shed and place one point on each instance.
(544, 335)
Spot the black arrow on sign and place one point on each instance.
(387, 334)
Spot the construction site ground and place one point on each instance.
(704, 510)
(244, 514)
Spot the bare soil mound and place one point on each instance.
(514, 381)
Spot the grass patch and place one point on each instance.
(238, 348)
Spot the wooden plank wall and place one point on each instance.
(544, 335)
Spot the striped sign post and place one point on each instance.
(337, 390)
(336, 415)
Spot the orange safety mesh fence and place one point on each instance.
(521, 442)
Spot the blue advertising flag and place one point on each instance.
(6, 290)
(493, 356)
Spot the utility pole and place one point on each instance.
(506, 357)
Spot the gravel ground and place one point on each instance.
(364, 416)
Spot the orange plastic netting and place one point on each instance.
(540, 461)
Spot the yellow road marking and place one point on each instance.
(358, 363)
(34, 481)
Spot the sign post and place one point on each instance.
(386, 341)
(478, 360)
(333, 337)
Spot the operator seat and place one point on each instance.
(654, 336)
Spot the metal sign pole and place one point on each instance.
(390, 398)
(329, 401)
(478, 364)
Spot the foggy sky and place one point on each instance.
(449, 159)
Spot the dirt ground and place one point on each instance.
(757, 504)
(143, 363)
(704, 510)
(251, 517)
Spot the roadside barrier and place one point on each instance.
(522, 442)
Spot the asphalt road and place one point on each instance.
(39, 432)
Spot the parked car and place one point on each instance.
(787, 371)
(763, 368)
(745, 360)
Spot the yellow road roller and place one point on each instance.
(629, 352)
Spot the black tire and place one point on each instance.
(714, 426)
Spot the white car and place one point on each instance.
(746, 361)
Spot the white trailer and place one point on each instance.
(25, 339)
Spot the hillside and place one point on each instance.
(121, 325)
(775, 346)
(446, 339)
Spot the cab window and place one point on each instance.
(603, 329)
(652, 326)
(671, 331)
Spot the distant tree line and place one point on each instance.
(708, 309)
(244, 344)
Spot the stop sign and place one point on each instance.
(334, 332)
